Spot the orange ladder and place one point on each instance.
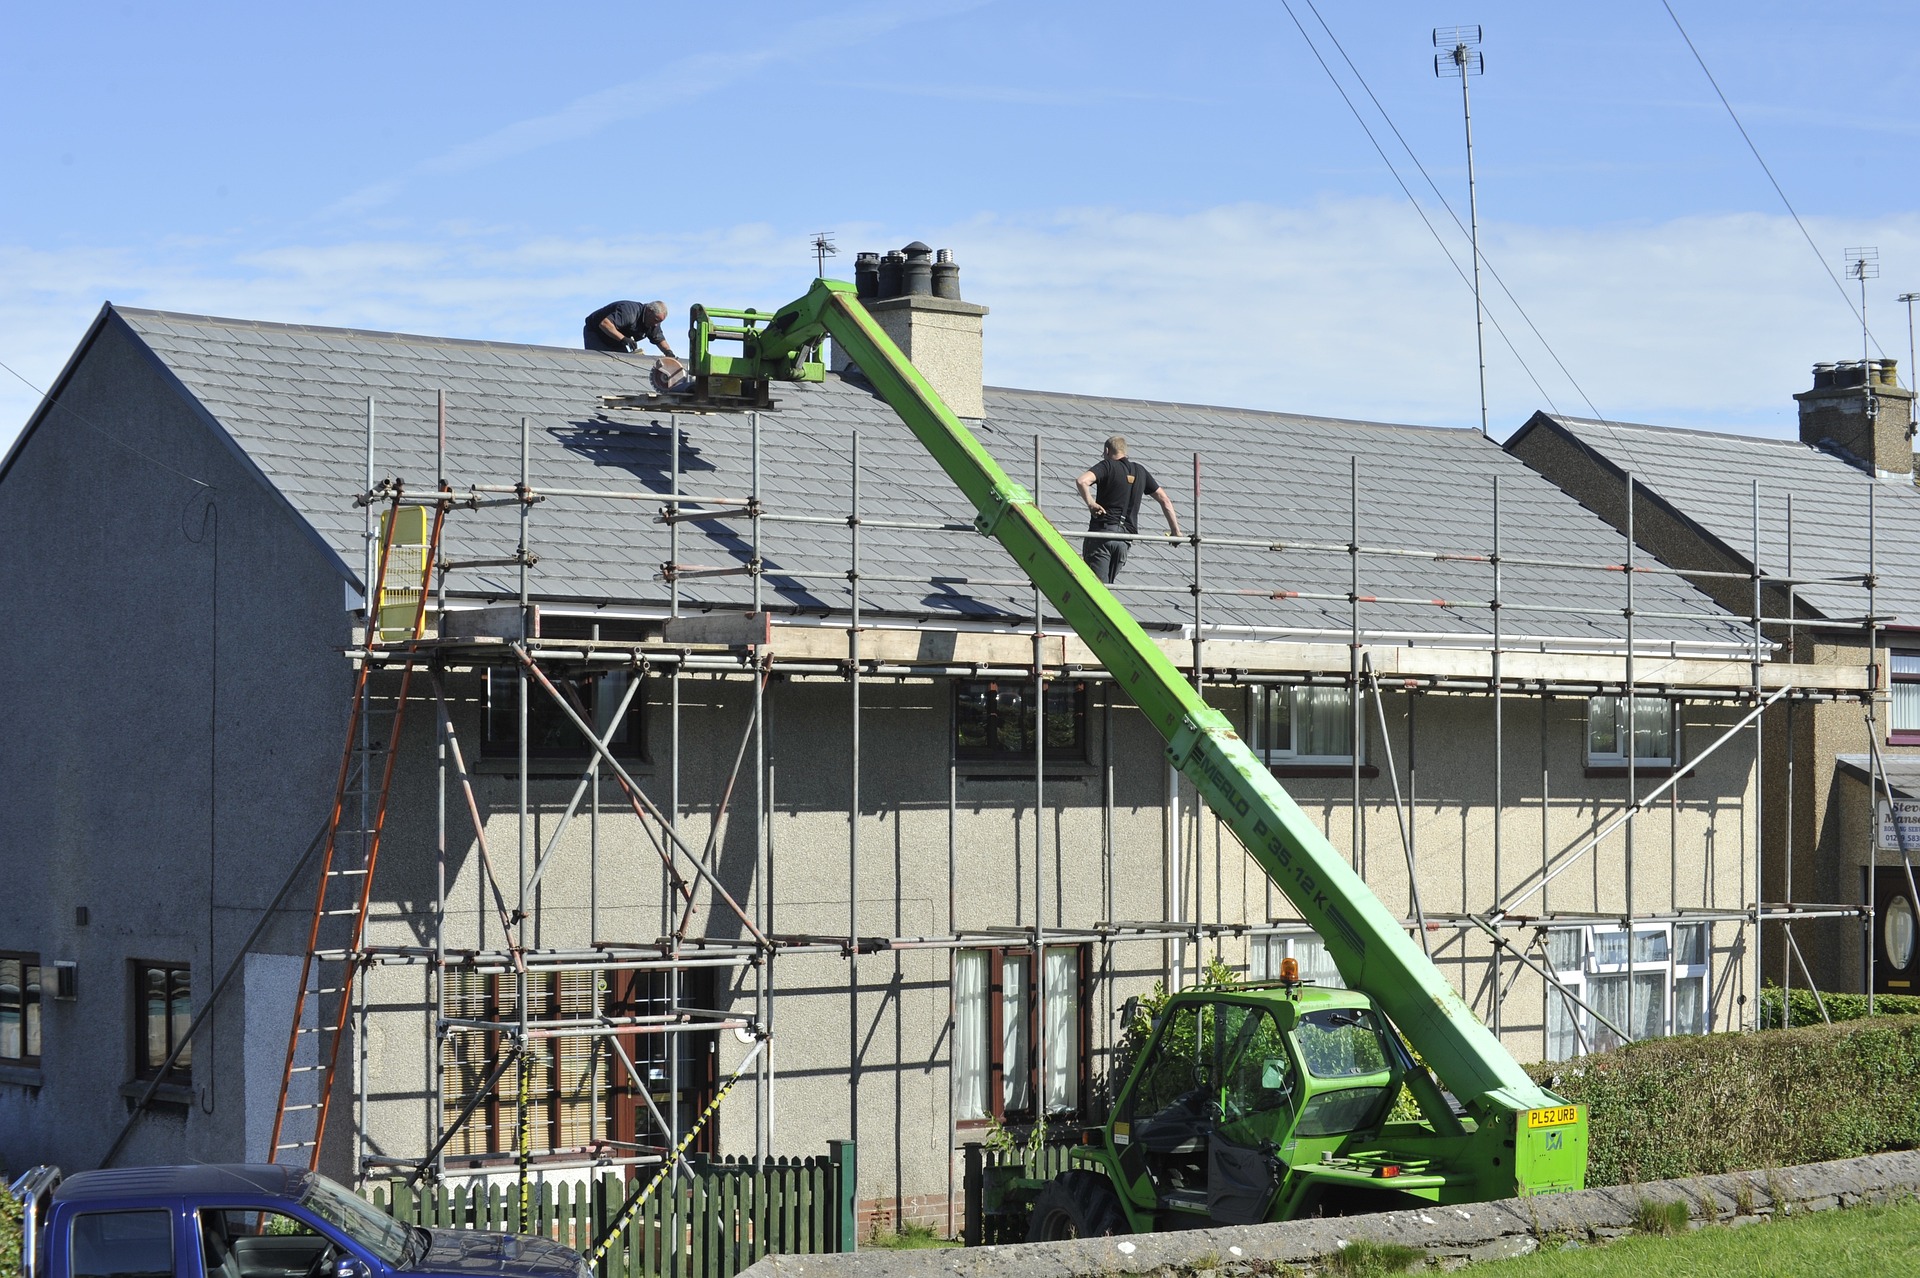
(354, 827)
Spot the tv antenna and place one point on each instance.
(1460, 56)
(1863, 264)
(822, 250)
(1909, 299)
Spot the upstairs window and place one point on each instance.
(551, 733)
(1302, 725)
(1903, 725)
(993, 719)
(1608, 732)
(162, 1010)
(19, 1009)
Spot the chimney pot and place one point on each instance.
(866, 276)
(891, 267)
(946, 276)
(917, 279)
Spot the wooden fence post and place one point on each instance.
(973, 1183)
(846, 1188)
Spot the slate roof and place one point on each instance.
(1903, 771)
(1707, 478)
(294, 398)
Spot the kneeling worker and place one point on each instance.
(621, 326)
(1112, 491)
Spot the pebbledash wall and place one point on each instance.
(204, 602)
(874, 1063)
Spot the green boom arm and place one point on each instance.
(1370, 947)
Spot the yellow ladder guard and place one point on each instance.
(406, 579)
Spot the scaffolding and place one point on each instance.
(747, 648)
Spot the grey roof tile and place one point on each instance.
(295, 399)
(1710, 478)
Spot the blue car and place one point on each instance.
(250, 1222)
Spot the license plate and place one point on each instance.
(1554, 1117)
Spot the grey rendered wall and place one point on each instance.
(173, 700)
(873, 1064)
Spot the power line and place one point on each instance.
(1431, 230)
(1761, 161)
(102, 431)
(1448, 206)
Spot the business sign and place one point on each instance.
(1900, 826)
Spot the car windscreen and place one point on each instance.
(1340, 1043)
(379, 1233)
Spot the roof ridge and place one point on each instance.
(1239, 409)
(1567, 419)
(425, 339)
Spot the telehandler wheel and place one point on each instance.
(1076, 1204)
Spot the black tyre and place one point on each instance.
(1076, 1204)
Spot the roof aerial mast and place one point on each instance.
(1460, 56)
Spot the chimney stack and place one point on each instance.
(914, 295)
(1859, 409)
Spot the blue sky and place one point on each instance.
(1170, 204)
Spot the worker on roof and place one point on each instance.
(1112, 491)
(621, 326)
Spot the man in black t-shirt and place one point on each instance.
(1112, 491)
(621, 326)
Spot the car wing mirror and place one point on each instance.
(351, 1267)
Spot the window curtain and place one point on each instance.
(1015, 1040)
(1326, 726)
(1563, 1041)
(1315, 964)
(1690, 1005)
(970, 1034)
(1607, 995)
(1906, 695)
(1063, 1030)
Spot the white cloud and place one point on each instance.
(1343, 308)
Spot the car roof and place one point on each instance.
(230, 1178)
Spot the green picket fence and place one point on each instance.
(711, 1221)
(996, 1212)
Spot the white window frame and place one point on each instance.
(1654, 949)
(1903, 685)
(1258, 695)
(1617, 757)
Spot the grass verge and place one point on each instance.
(1859, 1240)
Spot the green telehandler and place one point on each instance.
(1261, 1102)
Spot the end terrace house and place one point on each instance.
(1822, 533)
(854, 802)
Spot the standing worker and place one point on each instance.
(620, 326)
(1112, 491)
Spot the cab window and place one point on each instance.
(1259, 1076)
(122, 1244)
(261, 1244)
(1340, 1043)
(1175, 1069)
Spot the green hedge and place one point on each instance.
(9, 1229)
(1732, 1102)
(1840, 1007)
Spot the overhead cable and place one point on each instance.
(1761, 161)
(1417, 208)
